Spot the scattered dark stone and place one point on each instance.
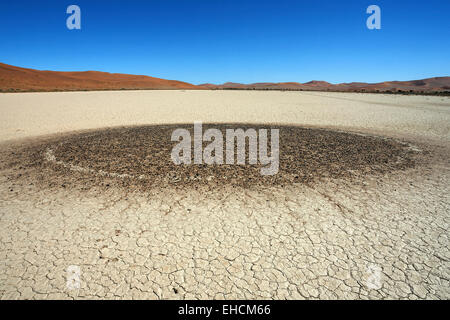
(306, 155)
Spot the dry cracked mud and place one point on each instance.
(347, 216)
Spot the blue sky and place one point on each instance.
(215, 41)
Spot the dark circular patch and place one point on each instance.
(142, 155)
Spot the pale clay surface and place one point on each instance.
(293, 242)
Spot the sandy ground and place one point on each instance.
(348, 216)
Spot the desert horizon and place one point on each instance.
(17, 79)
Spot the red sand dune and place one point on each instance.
(20, 79)
(14, 79)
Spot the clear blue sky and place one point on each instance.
(216, 41)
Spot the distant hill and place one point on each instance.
(430, 85)
(16, 79)
(20, 79)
